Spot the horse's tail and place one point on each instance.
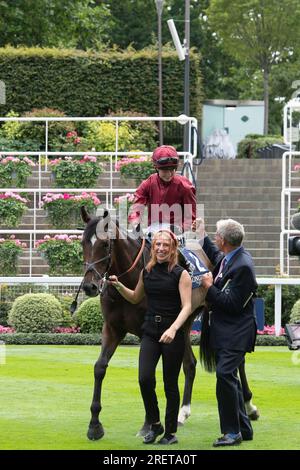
(207, 355)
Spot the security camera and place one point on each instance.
(179, 48)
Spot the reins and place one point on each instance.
(138, 257)
(104, 277)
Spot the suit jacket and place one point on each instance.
(232, 318)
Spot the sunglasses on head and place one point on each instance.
(165, 160)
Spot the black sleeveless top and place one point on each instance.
(162, 291)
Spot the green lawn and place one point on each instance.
(45, 394)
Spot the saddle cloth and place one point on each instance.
(194, 265)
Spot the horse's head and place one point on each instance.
(97, 242)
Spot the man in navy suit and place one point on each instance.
(230, 290)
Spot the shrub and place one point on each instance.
(295, 313)
(101, 135)
(89, 316)
(10, 249)
(63, 254)
(12, 208)
(145, 132)
(5, 307)
(35, 313)
(290, 294)
(63, 210)
(247, 148)
(31, 134)
(71, 172)
(94, 338)
(65, 301)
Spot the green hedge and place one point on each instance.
(92, 84)
(247, 148)
(94, 339)
(290, 294)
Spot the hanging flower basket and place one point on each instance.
(12, 208)
(10, 250)
(63, 209)
(63, 254)
(69, 172)
(14, 171)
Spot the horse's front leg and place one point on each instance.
(251, 409)
(110, 341)
(189, 369)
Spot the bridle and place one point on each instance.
(101, 279)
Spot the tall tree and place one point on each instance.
(68, 23)
(259, 33)
(134, 22)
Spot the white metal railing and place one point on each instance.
(291, 135)
(113, 157)
(286, 206)
(75, 282)
(34, 231)
(191, 122)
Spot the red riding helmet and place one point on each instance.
(165, 156)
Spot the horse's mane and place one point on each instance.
(90, 228)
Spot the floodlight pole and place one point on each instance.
(186, 142)
(159, 8)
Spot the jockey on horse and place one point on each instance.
(171, 203)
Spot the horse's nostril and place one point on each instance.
(90, 289)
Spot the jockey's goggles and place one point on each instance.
(166, 160)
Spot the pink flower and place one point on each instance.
(71, 134)
(269, 330)
(6, 329)
(72, 329)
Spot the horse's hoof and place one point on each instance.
(184, 414)
(251, 410)
(143, 431)
(254, 415)
(95, 432)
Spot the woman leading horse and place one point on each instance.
(108, 250)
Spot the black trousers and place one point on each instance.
(172, 356)
(232, 413)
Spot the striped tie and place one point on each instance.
(222, 266)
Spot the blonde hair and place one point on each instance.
(173, 256)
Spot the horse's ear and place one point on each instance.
(137, 232)
(103, 225)
(106, 215)
(84, 214)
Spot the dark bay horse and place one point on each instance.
(108, 250)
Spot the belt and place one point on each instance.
(159, 318)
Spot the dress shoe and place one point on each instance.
(168, 439)
(228, 440)
(247, 436)
(156, 430)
